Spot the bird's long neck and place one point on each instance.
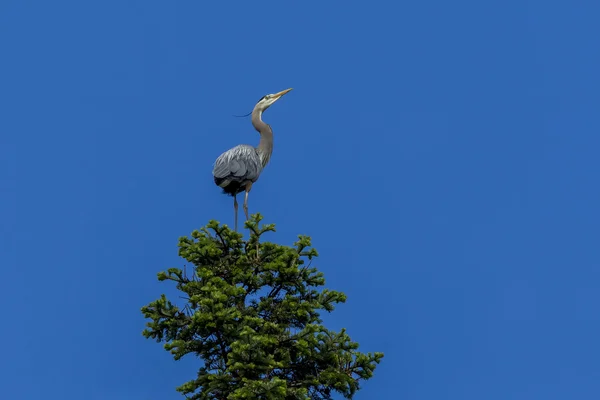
(265, 146)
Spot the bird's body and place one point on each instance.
(238, 168)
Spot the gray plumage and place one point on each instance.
(238, 168)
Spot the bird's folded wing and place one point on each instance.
(240, 163)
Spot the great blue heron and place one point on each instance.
(238, 168)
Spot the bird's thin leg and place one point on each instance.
(235, 209)
(248, 187)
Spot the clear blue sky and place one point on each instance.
(442, 155)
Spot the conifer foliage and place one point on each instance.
(252, 314)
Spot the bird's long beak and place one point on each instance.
(278, 95)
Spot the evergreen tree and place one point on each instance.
(252, 314)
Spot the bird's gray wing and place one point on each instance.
(239, 164)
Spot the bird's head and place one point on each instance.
(267, 100)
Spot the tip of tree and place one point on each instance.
(250, 309)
